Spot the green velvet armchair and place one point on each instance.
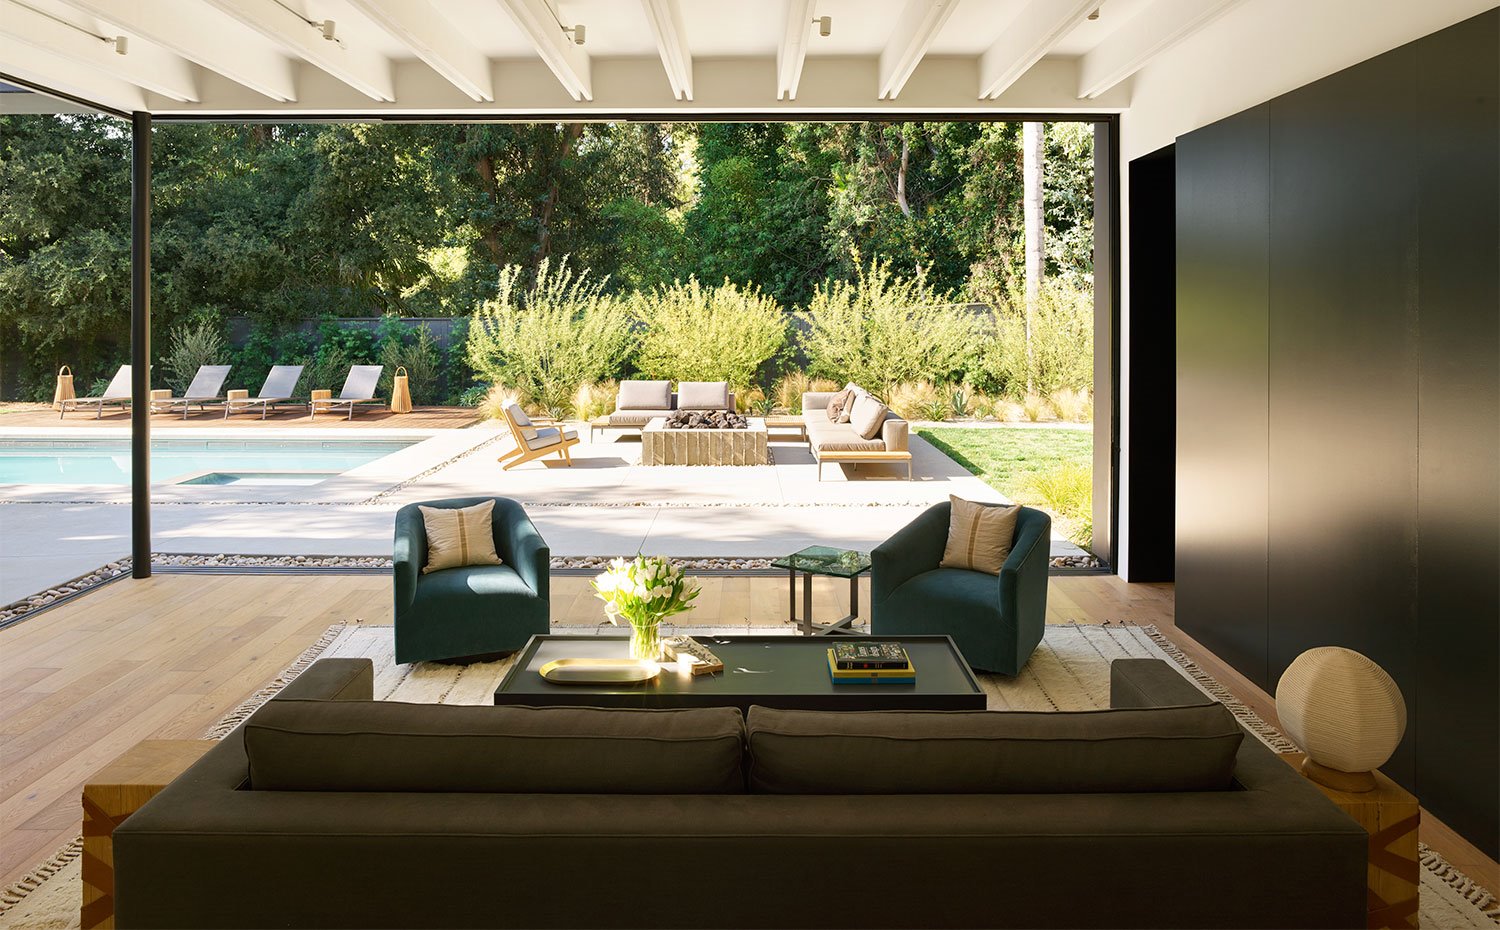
(475, 612)
(996, 621)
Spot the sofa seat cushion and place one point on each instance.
(626, 416)
(644, 395)
(988, 752)
(395, 747)
(825, 436)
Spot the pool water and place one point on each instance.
(107, 461)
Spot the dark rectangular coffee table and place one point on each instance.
(773, 671)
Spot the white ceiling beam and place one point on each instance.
(665, 17)
(567, 61)
(792, 51)
(44, 69)
(1149, 33)
(366, 71)
(432, 38)
(144, 65)
(195, 32)
(1039, 26)
(916, 27)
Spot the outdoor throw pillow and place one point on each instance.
(645, 395)
(837, 404)
(979, 535)
(867, 416)
(703, 395)
(459, 536)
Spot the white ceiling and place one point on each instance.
(502, 57)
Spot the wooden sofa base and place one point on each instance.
(855, 458)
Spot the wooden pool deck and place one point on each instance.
(14, 415)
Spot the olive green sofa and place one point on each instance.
(995, 620)
(327, 809)
(475, 612)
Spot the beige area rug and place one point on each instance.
(1069, 671)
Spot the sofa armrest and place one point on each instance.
(916, 548)
(522, 547)
(1023, 577)
(409, 553)
(816, 400)
(332, 680)
(1150, 683)
(895, 433)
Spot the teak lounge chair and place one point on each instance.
(359, 388)
(280, 384)
(533, 442)
(207, 388)
(117, 394)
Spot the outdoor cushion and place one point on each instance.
(837, 411)
(979, 535)
(625, 417)
(522, 421)
(839, 437)
(396, 747)
(867, 415)
(987, 752)
(703, 395)
(459, 536)
(644, 395)
(549, 436)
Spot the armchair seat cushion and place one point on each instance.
(461, 584)
(550, 436)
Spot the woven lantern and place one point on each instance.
(1344, 711)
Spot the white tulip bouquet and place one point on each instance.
(645, 591)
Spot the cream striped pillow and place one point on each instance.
(979, 535)
(459, 536)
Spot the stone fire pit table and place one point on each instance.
(662, 446)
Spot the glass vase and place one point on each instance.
(645, 641)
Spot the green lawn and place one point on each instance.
(1047, 468)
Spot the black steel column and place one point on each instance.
(140, 344)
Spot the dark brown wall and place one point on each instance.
(1338, 462)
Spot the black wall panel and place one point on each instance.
(1153, 377)
(1458, 502)
(1223, 172)
(1359, 476)
(1343, 371)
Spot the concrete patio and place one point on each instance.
(605, 504)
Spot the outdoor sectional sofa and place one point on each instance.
(832, 441)
(328, 809)
(640, 402)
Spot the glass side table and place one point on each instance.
(823, 560)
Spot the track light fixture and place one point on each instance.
(327, 27)
(578, 32)
(122, 45)
(825, 26)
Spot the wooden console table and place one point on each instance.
(114, 793)
(1390, 815)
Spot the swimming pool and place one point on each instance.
(196, 461)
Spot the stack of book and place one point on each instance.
(863, 662)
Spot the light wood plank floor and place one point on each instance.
(167, 657)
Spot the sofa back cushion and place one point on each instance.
(645, 395)
(389, 746)
(703, 395)
(986, 752)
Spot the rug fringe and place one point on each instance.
(1252, 721)
(250, 705)
(1449, 874)
(17, 891)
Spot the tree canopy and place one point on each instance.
(286, 223)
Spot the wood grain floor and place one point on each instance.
(166, 657)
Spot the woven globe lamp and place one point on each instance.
(1344, 711)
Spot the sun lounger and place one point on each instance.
(280, 384)
(117, 394)
(533, 442)
(359, 388)
(207, 388)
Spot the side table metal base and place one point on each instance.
(806, 624)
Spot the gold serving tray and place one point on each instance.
(599, 671)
